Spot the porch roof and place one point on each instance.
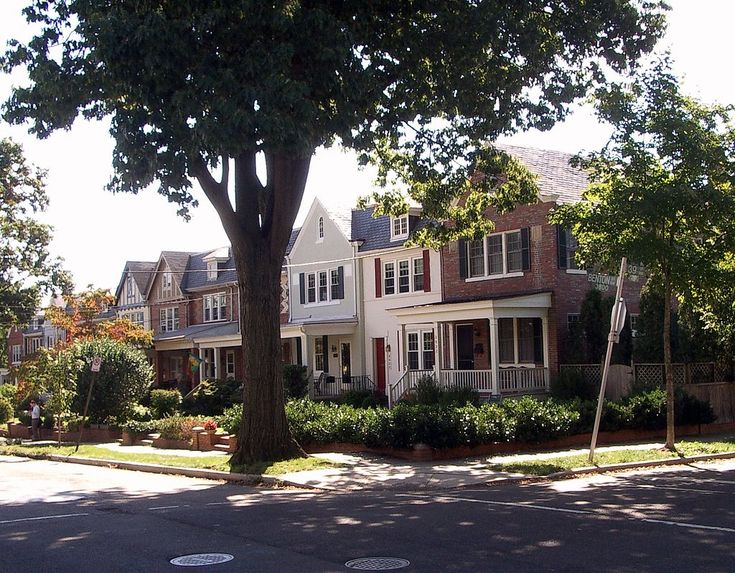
(529, 304)
(200, 332)
(319, 328)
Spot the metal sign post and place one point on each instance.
(617, 321)
(95, 368)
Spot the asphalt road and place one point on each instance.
(69, 518)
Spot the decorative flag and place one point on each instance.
(194, 362)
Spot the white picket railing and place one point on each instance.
(409, 380)
(510, 381)
(480, 380)
(521, 380)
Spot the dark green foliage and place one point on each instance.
(360, 399)
(569, 384)
(229, 421)
(123, 380)
(691, 410)
(538, 420)
(429, 393)
(295, 381)
(212, 397)
(164, 403)
(6, 409)
(593, 319)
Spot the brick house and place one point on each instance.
(508, 299)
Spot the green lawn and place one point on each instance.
(220, 463)
(548, 466)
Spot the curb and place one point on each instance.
(246, 479)
(610, 468)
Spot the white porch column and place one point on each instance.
(202, 364)
(494, 355)
(545, 336)
(404, 349)
(305, 354)
(437, 352)
(215, 352)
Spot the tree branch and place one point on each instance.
(215, 191)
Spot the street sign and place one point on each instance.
(617, 319)
(96, 364)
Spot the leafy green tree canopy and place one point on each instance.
(198, 89)
(662, 193)
(26, 267)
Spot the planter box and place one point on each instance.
(422, 452)
(171, 444)
(18, 431)
(131, 438)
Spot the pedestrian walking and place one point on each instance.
(35, 420)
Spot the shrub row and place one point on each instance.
(443, 426)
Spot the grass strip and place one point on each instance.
(218, 463)
(547, 466)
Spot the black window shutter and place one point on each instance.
(538, 341)
(340, 282)
(302, 288)
(561, 246)
(378, 278)
(325, 350)
(427, 271)
(462, 248)
(299, 353)
(526, 248)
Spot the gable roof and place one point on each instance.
(141, 271)
(557, 179)
(176, 261)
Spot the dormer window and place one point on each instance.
(212, 269)
(320, 229)
(130, 288)
(399, 228)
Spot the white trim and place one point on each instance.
(494, 277)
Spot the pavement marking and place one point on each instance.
(594, 514)
(503, 503)
(673, 488)
(44, 517)
(690, 525)
(166, 507)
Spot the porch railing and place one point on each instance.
(521, 380)
(409, 380)
(510, 381)
(480, 380)
(328, 386)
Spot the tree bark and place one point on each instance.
(259, 229)
(668, 367)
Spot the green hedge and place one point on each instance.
(525, 419)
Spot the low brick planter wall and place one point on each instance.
(422, 452)
(171, 444)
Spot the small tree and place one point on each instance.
(26, 269)
(123, 380)
(80, 320)
(662, 193)
(61, 369)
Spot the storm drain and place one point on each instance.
(201, 559)
(377, 563)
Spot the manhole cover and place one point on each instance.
(201, 559)
(377, 563)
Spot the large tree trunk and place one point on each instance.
(264, 432)
(668, 368)
(259, 228)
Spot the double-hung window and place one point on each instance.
(566, 248)
(215, 307)
(404, 276)
(169, 319)
(420, 348)
(520, 341)
(323, 287)
(319, 354)
(16, 353)
(399, 228)
(496, 255)
(130, 288)
(418, 274)
(167, 285)
(389, 273)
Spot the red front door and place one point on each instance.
(380, 364)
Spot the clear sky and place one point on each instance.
(96, 232)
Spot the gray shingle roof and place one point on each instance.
(142, 272)
(200, 331)
(177, 262)
(341, 215)
(555, 175)
(197, 278)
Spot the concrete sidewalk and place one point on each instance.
(367, 471)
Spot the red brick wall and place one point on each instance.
(568, 288)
